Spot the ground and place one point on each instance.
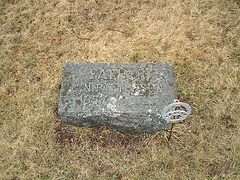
(200, 38)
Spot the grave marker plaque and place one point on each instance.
(126, 97)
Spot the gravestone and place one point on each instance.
(129, 98)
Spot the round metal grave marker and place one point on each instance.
(176, 112)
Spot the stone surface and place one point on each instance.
(125, 97)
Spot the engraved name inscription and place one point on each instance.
(110, 89)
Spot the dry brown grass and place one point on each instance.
(200, 38)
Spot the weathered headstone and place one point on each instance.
(129, 98)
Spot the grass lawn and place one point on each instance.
(200, 38)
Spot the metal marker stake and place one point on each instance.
(169, 137)
(176, 112)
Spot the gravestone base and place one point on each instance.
(126, 97)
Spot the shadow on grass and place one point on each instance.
(106, 138)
